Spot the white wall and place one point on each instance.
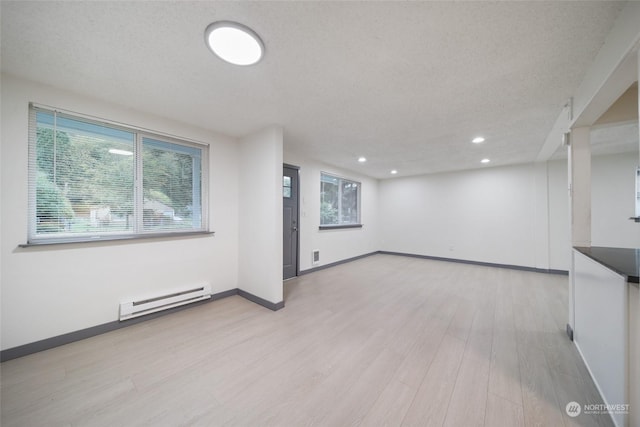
(485, 215)
(507, 215)
(260, 234)
(612, 201)
(334, 245)
(52, 290)
(612, 191)
(559, 234)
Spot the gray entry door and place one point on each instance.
(290, 225)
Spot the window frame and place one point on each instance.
(138, 230)
(341, 180)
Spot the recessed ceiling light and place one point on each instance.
(234, 43)
(393, 172)
(485, 161)
(477, 140)
(362, 159)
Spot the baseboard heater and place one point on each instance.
(175, 298)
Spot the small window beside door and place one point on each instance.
(286, 187)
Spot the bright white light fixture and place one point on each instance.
(120, 152)
(393, 172)
(234, 43)
(362, 159)
(485, 161)
(477, 140)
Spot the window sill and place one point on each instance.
(120, 238)
(339, 227)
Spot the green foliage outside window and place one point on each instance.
(85, 182)
(339, 200)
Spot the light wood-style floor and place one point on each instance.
(385, 340)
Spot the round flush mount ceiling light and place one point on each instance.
(234, 43)
(362, 159)
(477, 140)
(485, 161)
(393, 172)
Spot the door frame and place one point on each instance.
(297, 169)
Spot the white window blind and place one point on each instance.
(91, 180)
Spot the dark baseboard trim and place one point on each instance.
(274, 306)
(333, 264)
(484, 264)
(48, 343)
(570, 332)
(435, 258)
(68, 338)
(553, 271)
(220, 295)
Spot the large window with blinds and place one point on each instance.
(90, 180)
(339, 202)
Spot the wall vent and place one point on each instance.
(152, 304)
(315, 256)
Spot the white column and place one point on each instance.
(580, 186)
(541, 217)
(260, 216)
(579, 152)
(634, 329)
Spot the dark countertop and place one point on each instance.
(623, 261)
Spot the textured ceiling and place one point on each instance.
(406, 84)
